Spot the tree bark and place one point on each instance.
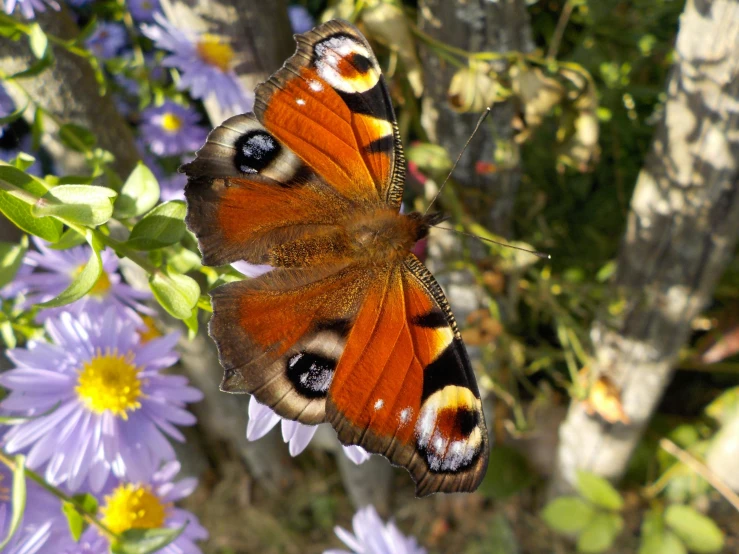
(68, 90)
(475, 26)
(681, 232)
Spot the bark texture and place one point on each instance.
(475, 26)
(68, 90)
(681, 232)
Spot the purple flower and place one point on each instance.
(43, 524)
(205, 62)
(172, 129)
(112, 406)
(147, 504)
(300, 19)
(371, 536)
(262, 419)
(143, 10)
(54, 270)
(172, 187)
(107, 40)
(27, 7)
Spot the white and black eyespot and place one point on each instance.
(345, 64)
(310, 373)
(255, 151)
(449, 433)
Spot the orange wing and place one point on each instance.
(280, 336)
(404, 387)
(329, 103)
(248, 196)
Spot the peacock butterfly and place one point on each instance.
(349, 327)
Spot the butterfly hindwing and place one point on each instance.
(280, 335)
(329, 103)
(404, 387)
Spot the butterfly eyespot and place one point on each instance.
(311, 373)
(448, 429)
(255, 151)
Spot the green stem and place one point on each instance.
(36, 478)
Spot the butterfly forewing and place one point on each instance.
(330, 104)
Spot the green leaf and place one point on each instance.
(567, 514)
(77, 138)
(87, 503)
(139, 194)
(698, 532)
(178, 294)
(183, 259)
(69, 239)
(85, 279)
(11, 257)
(192, 323)
(19, 212)
(38, 41)
(162, 226)
(8, 336)
(76, 522)
(598, 490)
(145, 541)
(37, 129)
(82, 204)
(13, 116)
(600, 533)
(662, 543)
(511, 475)
(18, 499)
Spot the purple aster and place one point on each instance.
(205, 62)
(27, 7)
(43, 524)
(147, 504)
(107, 40)
(262, 419)
(54, 270)
(172, 187)
(172, 129)
(371, 536)
(114, 406)
(300, 19)
(143, 10)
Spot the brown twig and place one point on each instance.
(701, 469)
(559, 31)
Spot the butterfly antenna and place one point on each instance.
(466, 144)
(541, 255)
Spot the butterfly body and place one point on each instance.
(349, 327)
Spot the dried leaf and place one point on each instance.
(472, 89)
(604, 399)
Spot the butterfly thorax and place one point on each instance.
(386, 236)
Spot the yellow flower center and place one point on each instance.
(171, 123)
(149, 330)
(110, 382)
(212, 50)
(133, 507)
